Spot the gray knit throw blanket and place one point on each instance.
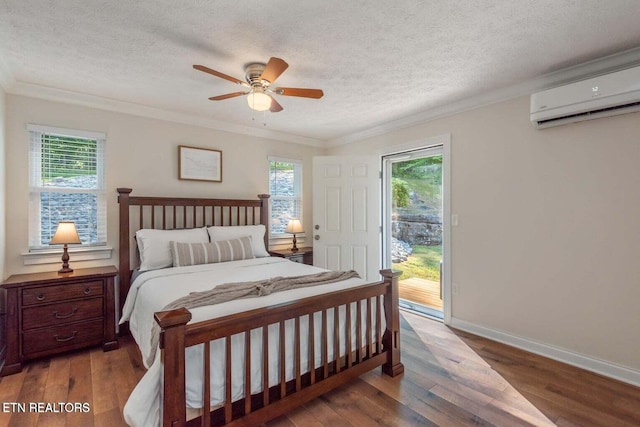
(232, 291)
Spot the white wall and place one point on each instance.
(548, 240)
(141, 154)
(549, 221)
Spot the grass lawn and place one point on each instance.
(423, 263)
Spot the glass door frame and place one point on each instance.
(387, 161)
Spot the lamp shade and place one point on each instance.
(66, 233)
(259, 101)
(294, 226)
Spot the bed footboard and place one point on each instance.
(373, 348)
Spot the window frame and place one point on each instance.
(35, 246)
(298, 190)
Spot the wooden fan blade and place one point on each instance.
(274, 68)
(227, 96)
(219, 74)
(304, 93)
(275, 107)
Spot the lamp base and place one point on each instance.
(294, 248)
(65, 261)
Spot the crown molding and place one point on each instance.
(582, 71)
(92, 101)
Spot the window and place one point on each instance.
(66, 183)
(285, 187)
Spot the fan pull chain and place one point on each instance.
(264, 118)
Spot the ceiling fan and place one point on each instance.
(259, 78)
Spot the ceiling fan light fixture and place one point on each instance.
(259, 78)
(259, 101)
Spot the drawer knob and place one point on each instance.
(65, 316)
(87, 291)
(40, 297)
(69, 338)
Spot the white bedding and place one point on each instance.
(153, 290)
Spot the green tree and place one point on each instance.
(67, 157)
(400, 193)
(425, 168)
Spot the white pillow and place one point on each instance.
(155, 251)
(256, 232)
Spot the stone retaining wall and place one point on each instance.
(80, 208)
(281, 210)
(417, 226)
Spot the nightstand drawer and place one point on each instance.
(58, 337)
(302, 255)
(297, 258)
(63, 312)
(304, 258)
(48, 294)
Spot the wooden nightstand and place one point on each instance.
(304, 255)
(49, 313)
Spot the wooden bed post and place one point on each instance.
(264, 216)
(123, 250)
(391, 339)
(172, 324)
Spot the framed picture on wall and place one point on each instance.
(199, 164)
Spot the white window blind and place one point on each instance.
(285, 187)
(66, 169)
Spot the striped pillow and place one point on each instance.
(205, 253)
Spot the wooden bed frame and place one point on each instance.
(176, 335)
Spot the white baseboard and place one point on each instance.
(602, 367)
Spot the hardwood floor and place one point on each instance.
(451, 379)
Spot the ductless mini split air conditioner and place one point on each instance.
(602, 96)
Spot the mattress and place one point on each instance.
(153, 290)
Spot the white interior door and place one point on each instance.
(347, 214)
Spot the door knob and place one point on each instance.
(317, 237)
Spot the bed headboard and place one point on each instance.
(167, 213)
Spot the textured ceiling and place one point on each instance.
(377, 61)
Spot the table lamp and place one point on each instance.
(294, 226)
(66, 234)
